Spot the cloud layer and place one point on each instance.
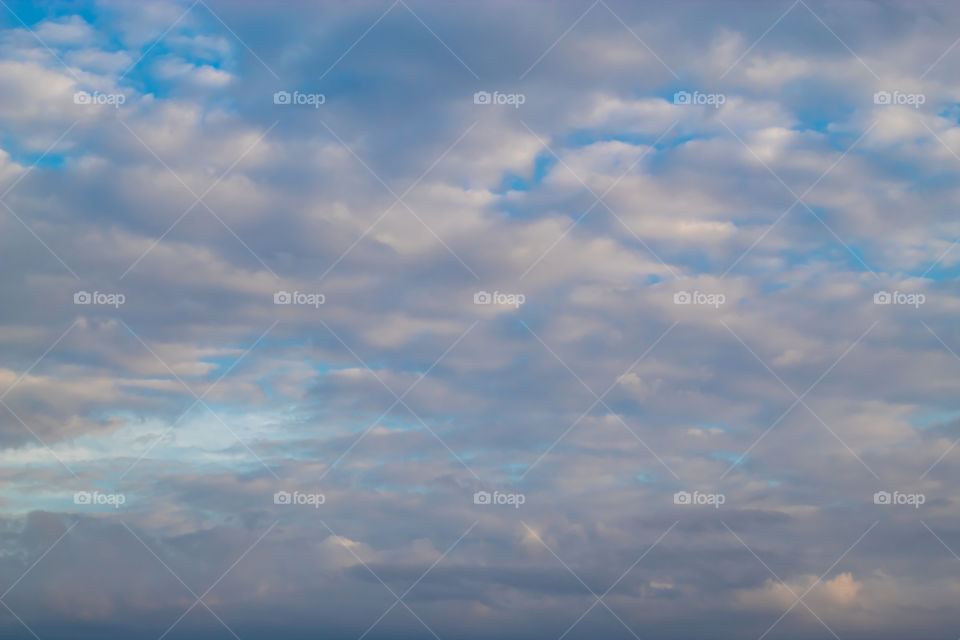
(516, 320)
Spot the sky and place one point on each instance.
(523, 320)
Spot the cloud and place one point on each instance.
(698, 316)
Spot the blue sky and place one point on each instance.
(421, 319)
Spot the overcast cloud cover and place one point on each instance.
(252, 385)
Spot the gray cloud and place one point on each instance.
(599, 199)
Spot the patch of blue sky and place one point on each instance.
(647, 478)
(729, 456)
(713, 426)
(849, 253)
(936, 419)
(693, 259)
(516, 470)
(542, 165)
(39, 159)
(34, 12)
